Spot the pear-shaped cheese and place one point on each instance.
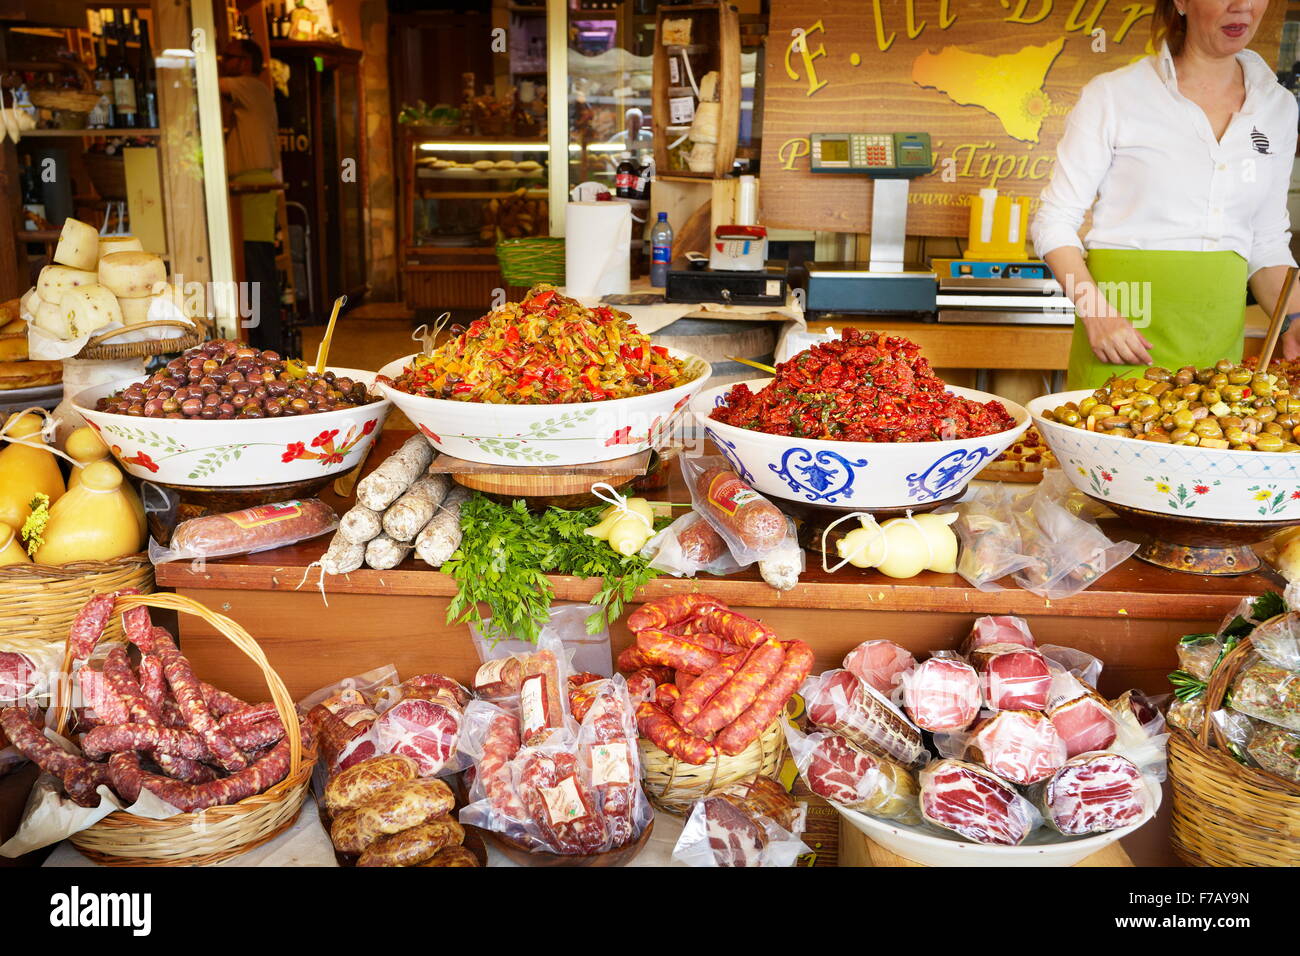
(12, 551)
(26, 471)
(92, 522)
(111, 244)
(85, 445)
(56, 280)
(131, 275)
(78, 245)
(89, 309)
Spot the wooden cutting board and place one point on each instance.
(857, 850)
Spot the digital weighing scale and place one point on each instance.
(885, 284)
(1000, 292)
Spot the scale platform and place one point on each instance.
(853, 288)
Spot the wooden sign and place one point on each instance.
(991, 81)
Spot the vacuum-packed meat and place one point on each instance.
(840, 702)
(975, 803)
(1012, 677)
(1093, 793)
(1020, 746)
(942, 694)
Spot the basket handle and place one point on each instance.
(155, 324)
(232, 631)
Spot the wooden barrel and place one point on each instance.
(714, 339)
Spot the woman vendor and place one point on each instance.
(1188, 155)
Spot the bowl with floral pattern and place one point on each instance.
(1183, 480)
(549, 435)
(237, 452)
(853, 475)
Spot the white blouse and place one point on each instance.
(1161, 180)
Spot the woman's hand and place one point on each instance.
(1115, 341)
(1291, 341)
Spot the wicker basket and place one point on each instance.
(218, 833)
(1225, 813)
(525, 262)
(99, 349)
(39, 601)
(674, 785)
(73, 101)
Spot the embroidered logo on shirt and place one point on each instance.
(1259, 141)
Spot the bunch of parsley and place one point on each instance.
(506, 552)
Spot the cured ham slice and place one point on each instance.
(976, 804)
(840, 702)
(880, 664)
(1085, 723)
(838, 771)
(1020, 746)
(998, 630)
(942, 694)
(1012, 677)
(1093, 793)
(424, 730)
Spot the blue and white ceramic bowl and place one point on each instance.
(851, 475)
(1208, 483)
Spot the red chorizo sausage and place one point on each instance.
(759, 666)
(630, 660)
(675, 652)
(658, 726)
(683, 680)
(770, 701)
(667, 695)
(702, 688)
(734, 627)
(642, 684)
(666, 611)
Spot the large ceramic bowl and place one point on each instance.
(570, 434)
(855, 475)
(1183, 480)
(934, 846)
(236, 453)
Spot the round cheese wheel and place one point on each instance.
(131, 275)
(78, 245)
(89, 309)
(56, 280)
(53, 320)
(135, 311)
(110, 244)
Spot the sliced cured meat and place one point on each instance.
(339, 720)
(880, 664)
(838, 771)
(942, 694)
(1085, 723)
(423, 730)
(1020, 746)
(840, 702)
(1093, 793)
(976, 804)
(19, 676)
(998, 630)
(357, 749)
(734, 838)
(1012, 677)
(1064, 687)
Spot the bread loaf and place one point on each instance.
(78, 245)
(56, 280)
(131, 275)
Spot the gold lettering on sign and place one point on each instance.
(945, 20)
(1018, 15)
(792, 150)
(1072, 22)
(913, 31)
(878, 16)
(800, 44)
(1132, 14)
(1034, 172)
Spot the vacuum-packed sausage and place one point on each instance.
(540, 705)
(259, 528)
(770, 700)
(701, 543)
(757, 523)
(499, 748)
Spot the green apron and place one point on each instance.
(1195, 301)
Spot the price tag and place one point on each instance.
(681, 110)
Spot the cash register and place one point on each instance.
(885, 283)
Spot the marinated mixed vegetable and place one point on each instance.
(1226, 407)
(861, 387)
(547, 349)
(223, 380)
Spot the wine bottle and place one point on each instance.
(105, 111)
(148, 81)
(124, 86)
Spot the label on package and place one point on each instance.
(681, 110)
(494, 672)
(609, 764)
(532, 705)
(734, 500)
(263, 515)
(563, 802)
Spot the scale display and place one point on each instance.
(878, 155)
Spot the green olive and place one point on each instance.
(1269, 443)
(1068, 416)
(1087, 405)
(1239, 375)
(1184, 418)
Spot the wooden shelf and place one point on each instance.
(482, 194)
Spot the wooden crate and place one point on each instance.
(715, 45)
(451, 285)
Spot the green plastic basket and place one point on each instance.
(525, 262)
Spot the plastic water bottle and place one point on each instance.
(661, 251)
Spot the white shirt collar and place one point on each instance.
(1258, 75)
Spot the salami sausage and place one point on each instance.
(195, 710)
(658, 726)
(499, 678)
(356, 785)
(729, 501)
(81, 784)
(153, 685)
(122, 682)
(138, 628)
(499, 748)
(163, 741)
(701, 543)
(736, 628)
(675, 652)
(758, 667)
(268, 770)
(414, 845)
(88, 626)
(249, 716)
(770, 700)
(259, 528)
(76, 772)
(666, 611)
(575, 811)
(540, 705)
